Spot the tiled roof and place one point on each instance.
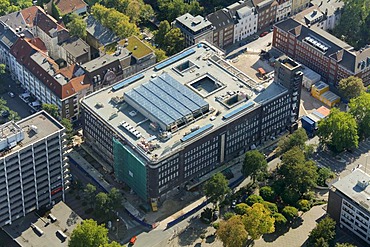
(220, 19)
(7, 36)
(104, 35)
(69, 6)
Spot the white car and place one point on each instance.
(12, 95)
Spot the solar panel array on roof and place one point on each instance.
(184, 90)
(197, 132)
(165, 100)
(127, 82)
(238, 110)
(174, 59)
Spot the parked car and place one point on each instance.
(264, 34)
(11, 94)
(233, 204)
(133, 240)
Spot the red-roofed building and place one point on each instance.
(66, 7)
(41, 76)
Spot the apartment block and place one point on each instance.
(266, 10)
(223, 31)
(170, 126)
(348, 204)
(33, 172)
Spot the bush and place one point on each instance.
(267, 193)
(216, 225)
(290, 213)
(252, 199)
(304, 205)
(272, 207)
(228, 215)
(290, 197)
(241, 208)
(206, 214)
(280, 220)
(324, 174)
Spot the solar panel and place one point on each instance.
(197, 132)
(176, 95)
(184, 90)
(127, 82)
(238, 110)
(155, 100)
(162, 94)
(174, 59)
(154, 110)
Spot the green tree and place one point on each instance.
(304, 205)
(216, 188)
(241, 208)
(51, 109)
(174, 41)
(324, 174)
(77, 26)
(4, 5)
(344, 245)
(89, 193)
(115, 199)
(232, 232)
(258, 221)
(360, 110)
(272, 207)
(228, 215)
(101, 204)
(267, 193)
(112, 244)
(298, 138)
(159, 35)
(69, 129)
(338, 131)
(89, 234)
(290, 196)
(2, 69)
(280, 220)
(171, 9)
(351, 87)
(254, 164)
(136, 10)
(297, 174)
(324, 229)
(290, 213)
(252, 199)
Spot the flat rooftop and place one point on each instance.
(350, 186)
(35, 127)
(194, 23)
(136, 46)
(199, 69)
(22, 232)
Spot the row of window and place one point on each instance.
(209, 156)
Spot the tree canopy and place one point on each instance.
(360, 110)
(171, 9)
(351, 87)
(77, 26)
(296, 173)
(258, 221)
(232, 232)
(298, 138)
(290, 213)
(216, 188)
(254, 164)
(9, 6)
(169, 39)
(69, 129)
(338, 131)
(89, 234)
(116, 21)
(51, 109)
(323, 232)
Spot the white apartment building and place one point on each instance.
(283, 10)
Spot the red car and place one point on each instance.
(264, 34)
(133, 240)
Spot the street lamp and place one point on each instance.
(117, 227)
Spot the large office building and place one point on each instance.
(322, 52)
(172, 125)
(32, 166)
(349, 204)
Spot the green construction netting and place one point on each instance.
(129, 169)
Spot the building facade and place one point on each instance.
(266, 12)
(299, 5)
(223, 31)
(194, 29)
(192, 114)
(33, 172)
(348, 204)
(283, 10)
(325, 54)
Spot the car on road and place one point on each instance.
(11, 94)
(264, 34)
(133, 240)
(233, 204)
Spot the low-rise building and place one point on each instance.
(349, 204)
(194, 29)
(75, 51)
(322, 52)
(331, 9)
(33, 172)
(283, 10)
(266, 10)
(66, 7)
(245, 19)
